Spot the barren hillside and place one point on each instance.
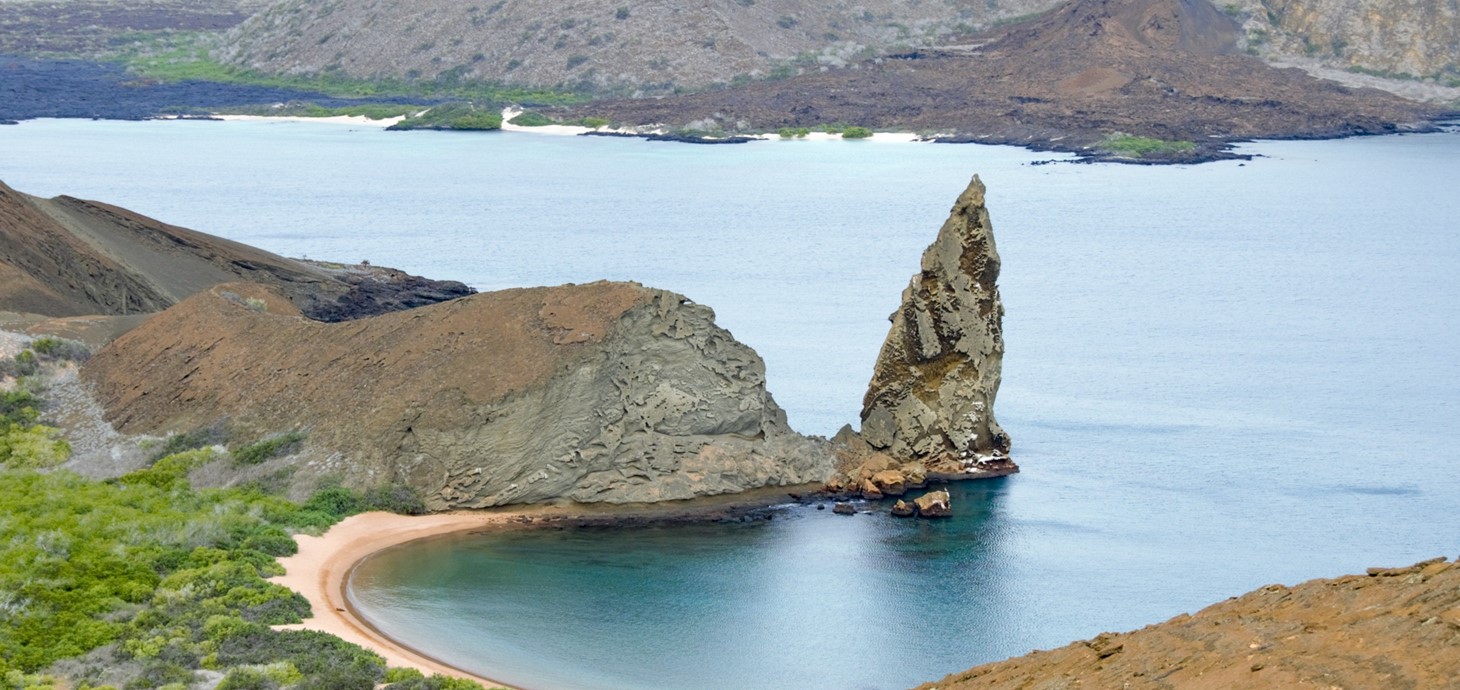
(650, 47)
(72, 257)
(1393, 628)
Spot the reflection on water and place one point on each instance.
(760, 604)
(1217, 376)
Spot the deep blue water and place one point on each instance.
(1218, 376)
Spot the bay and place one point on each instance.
(1218, 376)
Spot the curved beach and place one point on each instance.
(320, 571)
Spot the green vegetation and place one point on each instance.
(794, 132)
(144, 581)
(531, 119)
(856, 133)
(269, 448)
(1145, 147)
(369, 111)
(185, 56)
(453, 116)
(150, 575)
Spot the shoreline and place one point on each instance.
(320, 571)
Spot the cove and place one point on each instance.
(1218, 376)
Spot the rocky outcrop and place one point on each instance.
(931, 399)
(1393, 628)
(1412, 38)
(607, 392)
(934, 504)
(71, 257)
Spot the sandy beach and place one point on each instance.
(359, 120)
(322, 567)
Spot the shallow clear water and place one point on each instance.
(1218, 376)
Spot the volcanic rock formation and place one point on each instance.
(1391, 628)
(70, 257)
(606, 392)
(931, 399)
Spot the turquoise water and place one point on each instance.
(1218, 376)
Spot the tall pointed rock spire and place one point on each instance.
(931, 399)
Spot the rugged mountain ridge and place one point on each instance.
(70, 257)
(1409, 38)
(1167, 69)
(1390, 628)
(649, 47)
(607, 392)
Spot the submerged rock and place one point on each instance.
(931, 398)
(843, 508)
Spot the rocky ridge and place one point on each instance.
(1390, 628)
(648, 47)
(67, 257)
(1409, 39)
(1066, 80)
(607, 392)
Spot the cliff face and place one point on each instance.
(650, 47)
(607, 392)
(1416, 38)
(1392, 628)
(931, 399)
(72, 257)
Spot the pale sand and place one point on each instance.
(336, 119)
(322, 568)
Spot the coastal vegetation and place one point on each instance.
(146, 582)
(1132, 146)
(186, 56)
(453, 116)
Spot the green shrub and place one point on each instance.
(856, 133)
(247, 678)
(192, 440)
(531, 119)
(435, 682)
(395, 498)
(453, 116)
(269, 448)
(794, 132)
(170, 471)
(18, 407)
(61, 349)
(1145, 147)
(34, 447)
(21, 365)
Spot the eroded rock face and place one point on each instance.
(607, 392)
(931, 399)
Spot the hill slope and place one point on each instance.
(607, 392)
(653, 46)
(1394, 628)
(71, 257)
(1169, 69)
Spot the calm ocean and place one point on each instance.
(1218, 376)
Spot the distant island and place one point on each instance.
(1118, 80)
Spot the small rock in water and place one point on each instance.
(903, 509)
(934, 504)
(843, 508)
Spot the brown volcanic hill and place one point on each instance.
(70, 257)
(1394, 628)
(603, 392)
(654, 46)
(1067, 79)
